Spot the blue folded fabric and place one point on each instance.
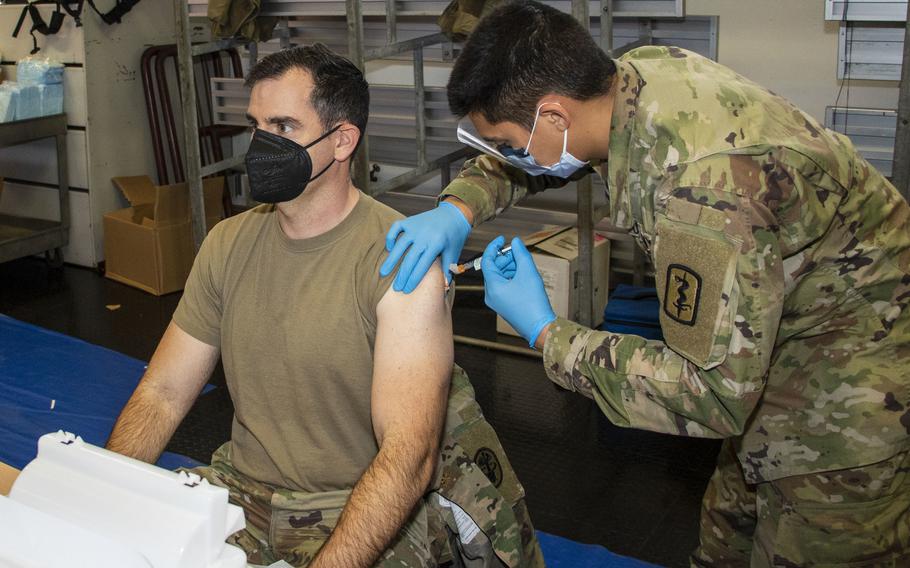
(561, 552)
(633, 310)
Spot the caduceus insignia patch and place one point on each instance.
(486, 460)
(683, 291)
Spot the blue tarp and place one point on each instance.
(561, 552)
(87, 386)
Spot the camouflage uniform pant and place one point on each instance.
(851, 517)
(474, 483)
(292, 525)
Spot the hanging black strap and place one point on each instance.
(76, 12)
(115, 14)
(38, 24)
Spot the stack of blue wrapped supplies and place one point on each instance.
(37, 91)
(633, 310)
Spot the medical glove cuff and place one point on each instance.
(541, 323)
(452, 211)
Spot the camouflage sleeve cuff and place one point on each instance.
(479, 200)
(562, 350)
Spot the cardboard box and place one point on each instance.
(149, 245)
(555, 253)
(8, 475)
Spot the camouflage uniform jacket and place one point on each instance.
(782, 261)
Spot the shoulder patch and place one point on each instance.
(486, 460)
(682, 294)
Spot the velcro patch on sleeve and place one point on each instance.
(695, 270)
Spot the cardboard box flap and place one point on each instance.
(138, 190)
(172, 204)
(564, 244)
(534, 238)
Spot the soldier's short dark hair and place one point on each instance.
(340, 93)
(520, 52)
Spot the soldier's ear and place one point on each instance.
(555, 114)
(346, 141)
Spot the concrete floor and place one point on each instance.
(636, 493)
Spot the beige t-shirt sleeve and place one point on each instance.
(370, 286)
(200, 308)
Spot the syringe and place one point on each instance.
(474, 263)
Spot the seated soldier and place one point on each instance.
(349, 447)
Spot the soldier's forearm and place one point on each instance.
(644, 384)
(487, 186)
(475, 198)
(380, 504)
(144, 426)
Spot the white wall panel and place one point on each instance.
(866, 10)
(870, 51)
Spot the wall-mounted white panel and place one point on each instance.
(66, 46)
(73, 92)
(866, 10)
(44, 203)
(118, 132)
(37, 161)
(870, 51)
(871, 130)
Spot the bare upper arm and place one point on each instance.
(180, 366)
(412, 361)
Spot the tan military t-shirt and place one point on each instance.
(296, 323)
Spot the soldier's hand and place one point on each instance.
(514, 289)
(441, 231)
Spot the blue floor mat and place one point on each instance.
(561, 552)
(50, 381)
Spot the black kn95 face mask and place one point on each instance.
(279, 169)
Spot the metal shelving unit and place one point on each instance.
(423, 166)
(25, 236)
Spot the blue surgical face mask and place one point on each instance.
(564, 168)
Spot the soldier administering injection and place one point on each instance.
(781, 256)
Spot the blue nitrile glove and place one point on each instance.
(440, 231)
(505, 264)
(515, 289)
